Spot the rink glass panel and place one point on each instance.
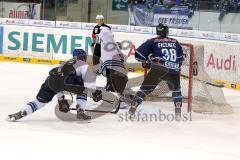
(207, 16)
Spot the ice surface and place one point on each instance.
(42, 136)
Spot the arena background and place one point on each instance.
(46, 32)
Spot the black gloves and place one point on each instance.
(97, 95)
(146, 65)
(92, 45)
(54, 71)
(64, 106)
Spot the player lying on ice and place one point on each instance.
(164, 57)
(70, 76)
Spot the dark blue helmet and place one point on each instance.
(162, 30)
(80, 54)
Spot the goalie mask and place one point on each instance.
(162, 30)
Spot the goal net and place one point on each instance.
(199, 96)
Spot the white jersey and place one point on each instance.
(111, 55)
(83, 72)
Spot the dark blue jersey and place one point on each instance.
(165, 51)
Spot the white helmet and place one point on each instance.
(99, 16)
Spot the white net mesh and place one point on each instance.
(205, 98)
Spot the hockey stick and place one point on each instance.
(111, 102)
(101, 111)
(199, 80)
(205, 82)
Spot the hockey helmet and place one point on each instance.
(99, 16)
(80, 54)
(162, 30)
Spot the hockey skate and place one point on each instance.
(132, 110)
(178, 115)
(134, 104)
(81, 115)
(124, 105)
(16, 116)
(126, 101)
(178, 111)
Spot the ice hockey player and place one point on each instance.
(112, 62)
(95, 37)
(76, 73)
(164, 57)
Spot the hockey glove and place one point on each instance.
(97, 95)
(64, 106)
(146, 65)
